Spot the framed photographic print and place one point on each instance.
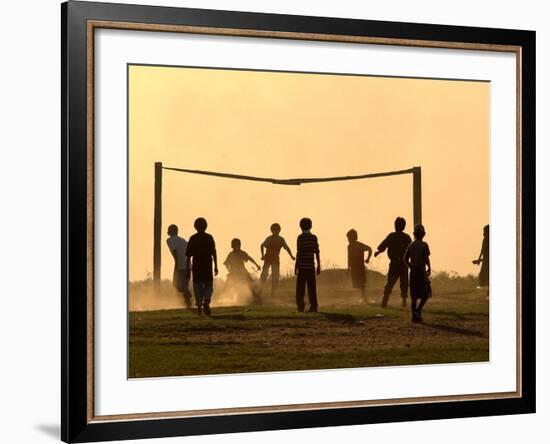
(275, 221)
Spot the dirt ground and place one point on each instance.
(274, 337)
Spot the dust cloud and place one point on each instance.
(142, 297)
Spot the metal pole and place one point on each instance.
(417, 195)
(157, 226)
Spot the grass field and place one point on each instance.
(274, 337)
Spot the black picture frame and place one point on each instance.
(76, 424)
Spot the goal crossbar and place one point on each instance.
(157, 223)
(295, 181)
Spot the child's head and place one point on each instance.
(352, 235)
(236, 244)
(306, 224)
(399, 224)
(173, 230)
(200, 224)
(486, 231)
(275, 228)
(419, 231)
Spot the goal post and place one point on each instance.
(417, 195)
(157, 225)
(416, 172)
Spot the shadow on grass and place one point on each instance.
(459, 316)
(455, 330)
(339, 317)
(455, 316)
(229, 317)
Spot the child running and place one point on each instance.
(238, 274)
(417, 258)
(272, 246)
(396, 243)
(357, 261)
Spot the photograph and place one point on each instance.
(277, 221)
(287, 221)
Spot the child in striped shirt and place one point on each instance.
(307, 250)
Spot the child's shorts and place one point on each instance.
(420, 285)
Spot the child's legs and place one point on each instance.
(265, 271)
(300, 290)
(312, 288)
(422, 303)
(404, 280)
(185, 287)
(275, 274)
(256, 296)
(393, 275)
(198, 290)
(208, 288)
(417, 286)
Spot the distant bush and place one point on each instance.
(441, 281)
(451, 281)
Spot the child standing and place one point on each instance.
(417, 258)
(202, 250)
(307, 249)
(238, 274)
(272, 246)
(483, 259)
(357, 261)
(177, 246)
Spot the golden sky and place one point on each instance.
(307, 125)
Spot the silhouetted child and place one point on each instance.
(272, 246)
(201, 249)
(356, 262)
(177, 246)
(307, 249)
(238, 274)
(417, 258)
(396, 243)
(483, 259)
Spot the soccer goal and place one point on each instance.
(159, 168)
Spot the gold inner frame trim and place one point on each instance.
(92, 25)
